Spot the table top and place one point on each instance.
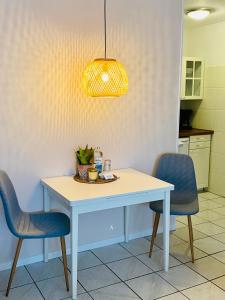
(130, 181)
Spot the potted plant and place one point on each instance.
(85, 159)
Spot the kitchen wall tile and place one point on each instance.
(215, 77)
(218, 142)
(210, 114)
(217, 180)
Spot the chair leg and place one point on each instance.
(13, 269)
(191, 238)
(154, 232)
(63, 247)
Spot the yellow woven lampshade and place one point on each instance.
(105, 77)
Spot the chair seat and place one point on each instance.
(42, 225)
(176, 209)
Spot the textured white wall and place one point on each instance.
(44, 115)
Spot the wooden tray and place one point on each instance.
(98, 181)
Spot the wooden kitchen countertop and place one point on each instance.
(194, 131)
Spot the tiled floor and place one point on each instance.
(125, 272)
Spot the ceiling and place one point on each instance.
(217, 16)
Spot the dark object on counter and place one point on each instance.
(185, 118)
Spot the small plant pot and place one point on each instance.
(83, 171)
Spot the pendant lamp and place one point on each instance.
(105, 77)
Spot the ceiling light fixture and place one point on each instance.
(105, 77)
(198, 13)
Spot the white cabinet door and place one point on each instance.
(192, 78)
(201, 163)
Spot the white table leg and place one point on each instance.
(126, 223)
(46, 209)
(74, 250)
(166, 229)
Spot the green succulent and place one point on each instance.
(85, 156)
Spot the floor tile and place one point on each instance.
(210, 215)
(220, 282)
(174, 240)
(97, 277)
(220, 210)
(182, 219)
(220, 237)
(209, 204)
(129, 268)
(151, 286)
(220, 200)
(209, 229)
(85, 260)
(206, 291)
(201, 199)
(25, 292)
(208, 267)
(202, 207)
(209, 245)
(55, 288)
(208, 195)
(220, 222)
(183, 252)
(111, 253)
(182, 277)
(21, 277)
(156, 261)
(220, 256)
(183, 233)
(137, 246)
(42, 270)
(180, 225)
(84, 296)
(195, 219)
(176, 296)
(114, 292)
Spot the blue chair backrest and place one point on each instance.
(178, 169)
(10, 202)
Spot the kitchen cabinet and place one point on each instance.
(198, 148)
(199, 151)
(192, 78)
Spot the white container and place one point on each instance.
(107, 165)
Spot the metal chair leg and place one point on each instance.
(63, 247)
(191, 238)
(154, 232)
(13, 269)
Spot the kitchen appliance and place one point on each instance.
(183, 146)
(185, 118)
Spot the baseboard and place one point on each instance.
(85, 247)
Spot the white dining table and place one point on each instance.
(132, 187)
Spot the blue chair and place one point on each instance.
(177, 169)
(36, 225)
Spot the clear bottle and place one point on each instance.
(98, 159)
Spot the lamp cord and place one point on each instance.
(105, 27)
